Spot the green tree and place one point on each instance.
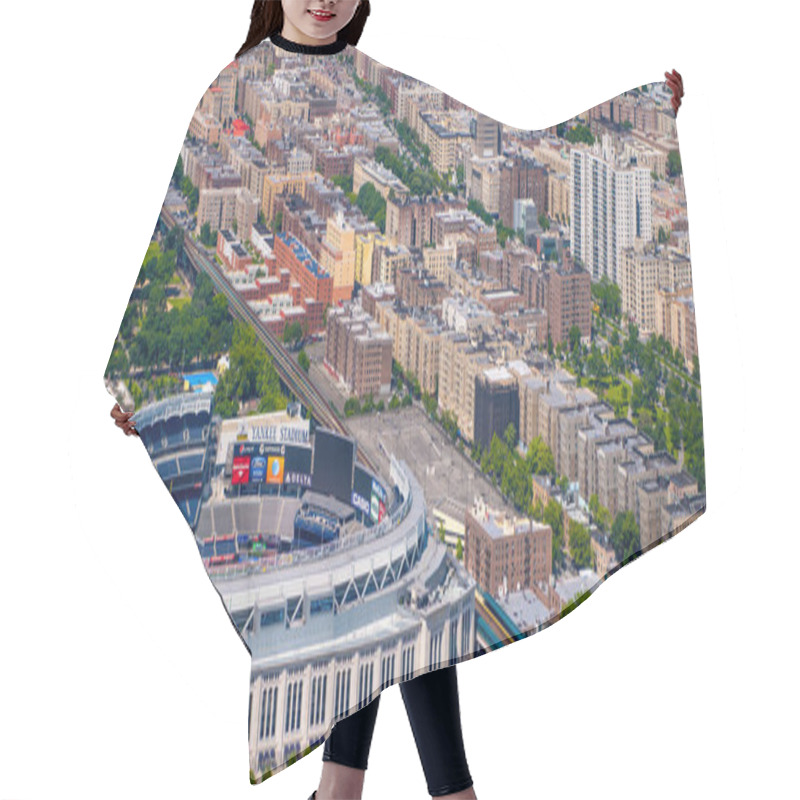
(352, 407)
(574, 338)
(156, 299)
(207, 236)
(579, 133)
(539, 458)
(118, 364)
(580, 545)
(608, 296)
(430, 404)
(450, 424)
(674, 167)
(292, 333)
(372, 204)
(304, 361)
(625, 535)
(510, 436)
(345, 182)
(603, 519)
(553, 516)
(251, 374)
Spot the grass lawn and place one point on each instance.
(178, 302)
(153, 251)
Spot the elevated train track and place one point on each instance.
(493, 627)
(294, 378)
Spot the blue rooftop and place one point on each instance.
(303, 256)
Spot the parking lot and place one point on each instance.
(438, 466)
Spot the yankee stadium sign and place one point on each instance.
(284, 433)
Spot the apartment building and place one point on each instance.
(504, 553)
(358, 351)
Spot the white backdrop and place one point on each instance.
(121, 674)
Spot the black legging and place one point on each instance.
(432, 706)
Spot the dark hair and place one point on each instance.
(266, 18)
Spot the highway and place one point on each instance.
(292, 375)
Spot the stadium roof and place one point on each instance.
(328, 504)
(176, 406)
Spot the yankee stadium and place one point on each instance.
(327, 570)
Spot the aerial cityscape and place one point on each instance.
(417, 380)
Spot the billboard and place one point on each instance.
(275, 470)
(377, 507)
(258, 469)
(274, 464)
(362, 490)
(297, 466)
(334, 458)
(360, 503)
(241, 469)
(258, 462)
(378, 490)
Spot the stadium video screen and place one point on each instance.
(334, 457)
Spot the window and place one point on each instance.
(321, 605)
(342, 692)
(407, 663)
(294, 702)
(365, 673)
(387, 670)
(435, 650)
(271, 617)
(316, 714)
(269, 707)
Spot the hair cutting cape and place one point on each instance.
(419, 381)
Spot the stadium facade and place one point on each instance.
(328, 571)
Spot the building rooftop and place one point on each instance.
(525, 609)
(568, 587)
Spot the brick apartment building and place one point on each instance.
(359, 351)
(505, 553)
